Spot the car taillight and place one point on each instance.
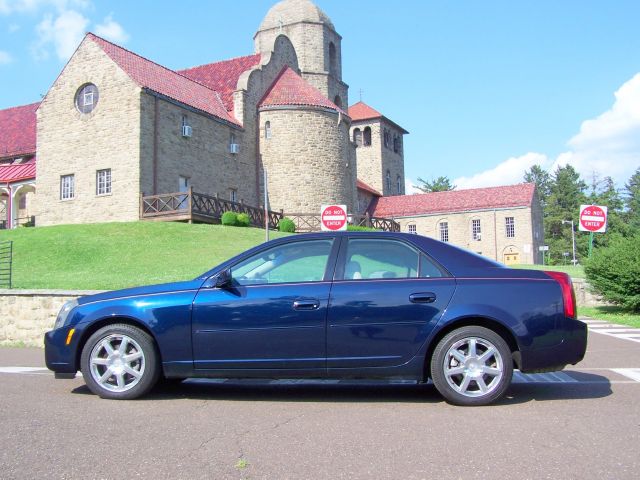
(568, 295)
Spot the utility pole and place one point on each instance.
(573, 239)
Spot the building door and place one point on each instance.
(511, 258)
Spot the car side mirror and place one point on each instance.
(223, 279)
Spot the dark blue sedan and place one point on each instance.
(331, 305)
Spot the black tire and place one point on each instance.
(129, 371)
(463, 378)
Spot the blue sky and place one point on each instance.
(486, 89)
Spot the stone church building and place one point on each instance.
(116, 126)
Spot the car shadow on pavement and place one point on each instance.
(586, 386)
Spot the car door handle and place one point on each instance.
(426, 297)
(306, 304)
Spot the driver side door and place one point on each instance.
(272, 316)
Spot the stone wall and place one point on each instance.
(74, 143)
(493, 241)
(28, 314)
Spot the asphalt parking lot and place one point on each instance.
(581, 423)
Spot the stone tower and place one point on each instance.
(315, 40)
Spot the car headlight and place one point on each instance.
(64, 313)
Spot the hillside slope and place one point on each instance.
(116, 255)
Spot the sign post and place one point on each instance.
(333, 218)
(593, 219)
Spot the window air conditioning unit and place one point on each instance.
(187, 131)
(234, 148)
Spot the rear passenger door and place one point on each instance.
(386, 298)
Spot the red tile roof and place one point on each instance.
(19, 171)
(362, 111)
(222, 76)
(455, 201)
(363, 186)
(159, 79)
(18, 131)
(289, 88)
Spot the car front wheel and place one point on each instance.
(472, 366)
(120, 362)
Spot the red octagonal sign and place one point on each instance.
(333, 217)
(593, 218)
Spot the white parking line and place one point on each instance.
(24, 370)
(632, 373)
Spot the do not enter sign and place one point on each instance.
(593, 218)
(333, 217)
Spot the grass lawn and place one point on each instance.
(109, 256)
(574, 272)
(611, 314)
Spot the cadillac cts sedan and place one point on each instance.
(347, 305)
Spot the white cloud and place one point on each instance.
(30, 6)
(5, 58)
(112, 30)
(410, 187)
(64, 32)
(607, 145)
(508, 172)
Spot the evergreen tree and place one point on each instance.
(605, 193)
(632, 201)
(542, 179)
(566, 194)
(440, 184)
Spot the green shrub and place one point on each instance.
(360, 228)
(229, 218)
(243, 220)
(614, 272)
(287, 225)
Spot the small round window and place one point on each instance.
(87, 98)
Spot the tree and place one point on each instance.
(632, 201)
(440, 184)
(566, 194)
(542, 179)
(604, 192)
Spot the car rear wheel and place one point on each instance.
(472, 366)
(120, 362)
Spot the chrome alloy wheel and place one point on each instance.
(473, 367)
(117, 363)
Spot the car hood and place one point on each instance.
(141, 291)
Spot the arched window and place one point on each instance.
(399, 185)
(357, 137)
(267, 130)
(338, 101)
(367, 137)
(388, 181)
(332, 57)
(396, 143)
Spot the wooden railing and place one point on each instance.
(6, 262)
(310, 222)
(199, 207)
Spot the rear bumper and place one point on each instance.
(569, 352)
(58, 356)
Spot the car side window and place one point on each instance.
(297, 262)
(377, 259)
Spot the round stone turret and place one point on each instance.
(317, 44)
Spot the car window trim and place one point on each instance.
(327, 272)
(342, 258)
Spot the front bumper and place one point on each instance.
(59, 357)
